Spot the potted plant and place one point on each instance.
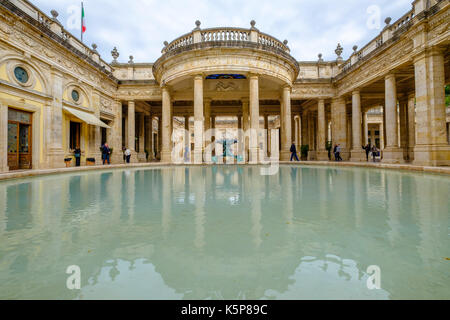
(304, 149)
(67, 161)
(90, 161)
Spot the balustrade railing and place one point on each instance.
(225, 34)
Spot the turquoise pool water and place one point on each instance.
(226, 232)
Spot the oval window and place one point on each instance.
(21, 74)
(75, 95)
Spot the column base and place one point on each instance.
(393, 155)
(411, 154)
(166, 156)
(142, 157)
(312, 155)
(198, 156)
(285, 155)
(253, 156)
(56, 158)
(357, 156)
(432, 155)
(322, 155)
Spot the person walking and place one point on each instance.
(294, 152)
(127, 155)
(367, 149)
(338, 153)
(106, 152)
(335, 152)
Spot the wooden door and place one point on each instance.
(25, 146)
(13, 145)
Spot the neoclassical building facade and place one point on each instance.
(221, 84)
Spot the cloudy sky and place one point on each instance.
(139, 27)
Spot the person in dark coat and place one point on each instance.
(294, 152)
(106, 152)
(77, 153)
(367, 149)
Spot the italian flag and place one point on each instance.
(83, 20)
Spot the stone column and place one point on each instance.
(254, 118)
(286, 131)
(322, 153)
(339, 125)
(403, 128)
(411, 126)
(166, 132)
(246, 127)
(207, 130)
(392, 153)
(116, 134)
(159, 142)
(357, 153)
(266, 134)
(304, 119)
(366, 129)
(207, 120)
(55, 146)
(131, 143)
(3, 139)
(141, 130)
(432, 148)
(149, 136)
(298, 133)
(198, 119)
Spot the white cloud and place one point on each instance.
(140, 27)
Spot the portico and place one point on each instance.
(241, 86)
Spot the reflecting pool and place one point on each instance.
(226, 232)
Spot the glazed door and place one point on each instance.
(13, 146)
(19, 146)
(24, 146)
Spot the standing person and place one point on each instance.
(77, 153)
(367, 149)
(374, 153)
(294, 152)
(338, 153)
(128, 155)
(106, 152)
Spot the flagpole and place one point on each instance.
(82, 8)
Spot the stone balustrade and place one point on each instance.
(225, 35)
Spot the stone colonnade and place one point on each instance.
(414, 123)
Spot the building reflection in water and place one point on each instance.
(226, 232)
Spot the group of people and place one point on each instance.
(374, 150)
(337, 152)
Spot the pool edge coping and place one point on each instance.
(399, 167)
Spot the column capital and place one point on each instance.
(253, 76)
(390, 76)
(131, 103)
(245, 100)
(199, 76)
(356, 92)
(207, 100)
(426, 52)
(340, 100)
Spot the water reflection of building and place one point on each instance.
(225, 232)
